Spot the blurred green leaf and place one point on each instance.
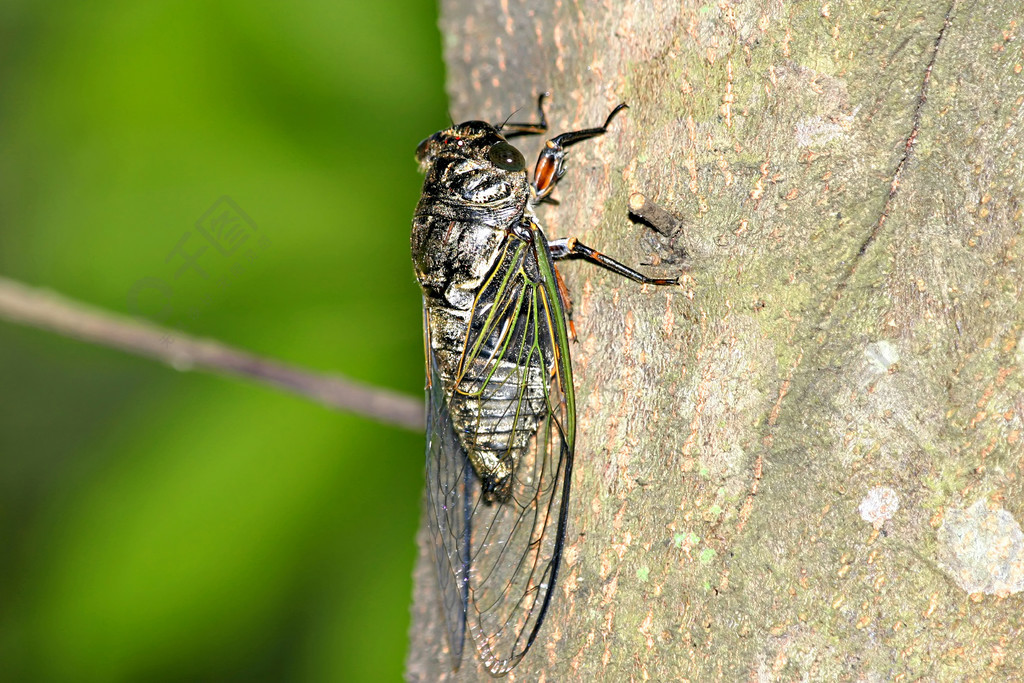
(164, 526)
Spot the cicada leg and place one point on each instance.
(563, 291)
(570, 247)
(509, 130)
(551, 162)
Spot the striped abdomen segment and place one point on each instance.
(496, 415)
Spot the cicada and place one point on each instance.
(501, 413)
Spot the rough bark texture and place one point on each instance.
(780, 461)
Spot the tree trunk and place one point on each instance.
(779, 461)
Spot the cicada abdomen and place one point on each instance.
(501, 415)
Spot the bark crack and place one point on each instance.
(897, 175)
(830, 302)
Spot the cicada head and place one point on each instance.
(475, 140)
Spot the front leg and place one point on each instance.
(551, 162)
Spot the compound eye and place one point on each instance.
(506, 157)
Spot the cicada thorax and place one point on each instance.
(470, 221)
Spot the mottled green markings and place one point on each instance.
(691, 539)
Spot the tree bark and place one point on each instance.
(805, 461)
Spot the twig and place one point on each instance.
(655, 216)
(686, 242)
(49, 311)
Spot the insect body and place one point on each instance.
(501, 418)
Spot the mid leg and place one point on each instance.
(570, 247)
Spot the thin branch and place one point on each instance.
(34, 307)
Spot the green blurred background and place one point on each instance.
(166, 526)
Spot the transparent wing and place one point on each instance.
(448, 497)
(498, 558)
